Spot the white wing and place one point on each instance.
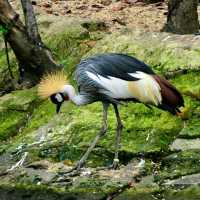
(116, 88)
(146, 89)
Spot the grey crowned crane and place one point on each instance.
(111, 78)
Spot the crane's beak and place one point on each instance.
(184, 113)
(58, 106)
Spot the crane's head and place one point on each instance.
(53, 86)
(58, 99)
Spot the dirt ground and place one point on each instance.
(130, 13)
(116, 14)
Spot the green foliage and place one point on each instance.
(4, 72)
(3, 30)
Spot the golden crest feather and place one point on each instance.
(51, 83)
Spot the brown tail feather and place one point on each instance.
(171, 97)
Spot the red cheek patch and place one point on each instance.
(66, 98)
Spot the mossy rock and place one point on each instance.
(33, 192)
(191, 129)
(163, 51)
(14, 111)
(68, 42)
(189, 84)
(20, 100)
(69, 134)
(180, 164)
(138, 193)
(5, 76)
(93, 185)
(10, 123)
(192, 193)
(94, 25)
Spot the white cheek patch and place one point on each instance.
(59, 98)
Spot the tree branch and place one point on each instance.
(33, 57)
(30, 22)
(8, 17)
(7, 58)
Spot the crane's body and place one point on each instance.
(112, 78)
(117, 77)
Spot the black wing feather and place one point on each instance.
(115, 65)
(111, 64)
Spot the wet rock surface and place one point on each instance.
(185, 144)
(184, 181)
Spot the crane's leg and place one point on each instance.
(118, 137)
(101, 133)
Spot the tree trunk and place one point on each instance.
(182, 17)
(30, 21)
(33, 57)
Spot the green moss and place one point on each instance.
(10, 123)
(191, 129)
(148, 131)
(41, 115)
(93, 185)
(15, 109)
(189, 84)
(70, 133)
(192, 193)
(145, 130)
(180, 164)
(151, 193)
(138, 193)
(21, 100)
(94, 25)
(4, 72)
(164, 52)
(68, 43)
(38, 192)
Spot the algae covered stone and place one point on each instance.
(180, 164)
(14, 110)
(163, 51)
(10, 123)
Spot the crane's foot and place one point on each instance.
(66, 175)
(76, 170)
(115, 164)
